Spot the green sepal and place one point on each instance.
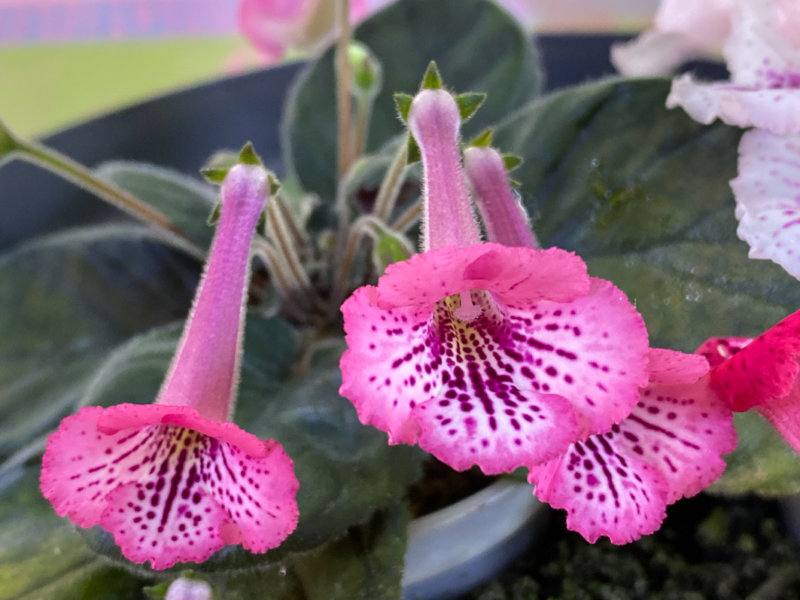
(261, 226)
(274, 184)
(514, 183)
(213, 175)
(414, 154)
(403, 103)
(218, 165)
(483, 140)
(432, 80)
(511, 161)
(213, 218)
(469, 103)
(248, 155)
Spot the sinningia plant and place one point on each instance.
(618, 359)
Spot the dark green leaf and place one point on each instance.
(186, 201)
(67, 300)
(476, 45)
(42, 557)
(366, 564)
(762, 463)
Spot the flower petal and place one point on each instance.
(774, 109)
(681, 31)
(168, 493)
(717, 350)
(764, 370)
(603, 491)
(683, 431)
(784, 415)
(618, 483)
(593, 351)
(127, 416)
(518, 277)
(390, 366)
(495, 390)
(767, 192)
(763, 49)
(673, 367)
(256, 493)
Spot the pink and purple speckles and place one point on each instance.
(619, 483)
(462, 351)
(168, 493)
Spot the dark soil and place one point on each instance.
(708, 548)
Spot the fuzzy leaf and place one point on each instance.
(185, 200)
(67, 300)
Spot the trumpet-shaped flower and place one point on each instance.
(619, 483)
(484, 353)
(175, 480)
(762, 373)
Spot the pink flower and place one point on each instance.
(175, 481)
(762, 373)
(619, 483)
(484, 353)
(763, 55)
(273, 26)
(682, 30)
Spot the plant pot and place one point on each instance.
(458, 547)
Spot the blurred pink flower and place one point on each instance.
(273, 26)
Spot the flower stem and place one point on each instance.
(357, 231)
(363, 114)
(408, 218)
(392, 181)
(80, 175)
(343, 76)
